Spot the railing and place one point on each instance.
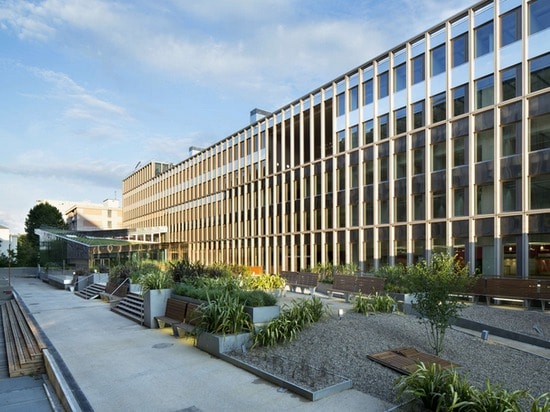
(82, 278)
(118, 287)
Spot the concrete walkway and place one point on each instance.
(112, 363)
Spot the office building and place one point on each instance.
(440, 144)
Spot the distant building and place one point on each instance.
(5, 240)
(441, 143)
(87, 216)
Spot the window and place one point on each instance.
(400, 116)
(459, 205)
(539, 69)
(540, 132)
(540, 192)
(418, 114)
(368, 92)
(369, 172)
(340, 104)
(368, 131)
(485, 199)
(418, 158)
(484, 38)
(383, 169)
(509, 196)
(383, 85)
(354, 176)
(400, 77)
(510, 27)
(439, 205)
(438, 60)
(341, 173)
(439, 107)
(341, 136)
(419, 208)
(539, 16)
(438, 156)
(511, 138)
(460, 50)
(353, 98)
(511, 82)
(485, 91)
(383, 131)
(400, 209)
(354, 133)
(400, 165)
(418, 69)
(460, 100)
(384, 211)
(459, 151)
(484, 145)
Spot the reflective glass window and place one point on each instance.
(400, 116)
(511, 82)
(418, 69)
(484, 39)
(484, 145)
(540, 192)
(510, 27)
(460, 50)
(439, 156)
(418, 114)
(368, 131)
(438, 60)
(340, 104)
(400, 165)
(539, 15)
(419, 207)
(539, 129)
(354, 134)
(368, 93)
(383, 85)
(485, 88)
(509, 196)
(439, 104)
(460, 100)
(510, 138)
(353, 98)
(383, 131)
(485, 199)
(439, 205)
(539, 69)
(400, 77)
(459, 201)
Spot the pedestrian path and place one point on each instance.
(116, 364)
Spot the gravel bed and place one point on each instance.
(342, 345)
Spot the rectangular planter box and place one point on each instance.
(262, 314)
(218, 344)
(312, 395)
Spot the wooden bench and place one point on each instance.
(23, 342)
(174, 313)
(190, 323)
(512, 289)
(349, 285)
(302, 280)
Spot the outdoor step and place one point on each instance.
(128, 315)
(131, 307)
(91, 292)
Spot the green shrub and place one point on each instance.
(395, 278)
(292, 320)
(156, 279)
(495, 398)
(223, 315)
(373, 303)
(263, 282)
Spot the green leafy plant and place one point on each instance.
(156, 279)
(263, 282)
(349, 269)
(435, 285)
(395, 278)
(438, 389)
(325, 271)
(373, 303)
(495, 398)
(290, 322)
(223, 315)
(541, 403)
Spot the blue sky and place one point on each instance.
(89, 88)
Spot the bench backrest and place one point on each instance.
(512, 288)
(192, 316)
(345, 282)
(175, 309)
(370, 284)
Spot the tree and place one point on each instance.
(43, 214)
(27, 254)
(435, 286)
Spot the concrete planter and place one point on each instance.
(154, 304)
(136, 288)
(218, 344)
(262, 314)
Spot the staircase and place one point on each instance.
(131, 307)
(91, 292)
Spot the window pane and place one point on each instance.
(400, 165)
(418, 161)
(540, 192)
(354, 134)
(510, 134)
(400, 77)
(383, 132)
(459, 202)
(341, 136)
(485, 92)
(540, 132)
(340, 104)
(353, 98)
(418, 114)
(400, 116)
(439, 205)
(368, 131)
(438, 60)
(485, 199)
(418, 69)
(383, 85)
(540, 72)
(539, 15)
(509, 196)
(484, 39)
(439, 108)
(460, 100)
(383, 168)
(459, 156)
(510, 27)
(438, 156)
(367, 92)
(419, 208)
(400, 209)
(460, 50)
(484, 145)
(511, 82)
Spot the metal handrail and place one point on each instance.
(118, 287)
(85, 278)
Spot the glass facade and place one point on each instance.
(442, 143)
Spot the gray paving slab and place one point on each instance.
(120, 365)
